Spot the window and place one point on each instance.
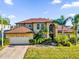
(30, 25)
(42, 26)
(38, 26)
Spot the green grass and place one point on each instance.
(52, 53)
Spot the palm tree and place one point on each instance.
(1, 22)
(4, 21)
(75, 24)
(7, 21)
(62, 21)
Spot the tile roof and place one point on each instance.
(19, 30)
(34, 20)
(66, 29)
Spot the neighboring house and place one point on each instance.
(21, 34)
(67, 30)
(5, 27)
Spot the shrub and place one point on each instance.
(49, 39)
(39, 41)
(40, 37)
(36, 41)
(59, 44)
(62, 40)
(0, 39)
(73, 40)
(67, 44)
(6, 41)
(32, 41)
(78, 39)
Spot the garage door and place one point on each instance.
(19, 40)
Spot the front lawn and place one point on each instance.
(52, 53)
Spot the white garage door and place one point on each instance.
(19, 40)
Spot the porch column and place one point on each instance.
(47, 30)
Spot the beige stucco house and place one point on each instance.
(35, 24)
(25, 30)
(21, 34)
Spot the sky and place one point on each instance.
(18, 10)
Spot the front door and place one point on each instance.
(52, 31)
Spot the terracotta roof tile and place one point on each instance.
(19, 30)
(32, 20)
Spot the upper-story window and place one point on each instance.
(30, 25)
(42, 26)
(38, 26)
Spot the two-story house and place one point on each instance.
(34, 25)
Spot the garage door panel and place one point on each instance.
(19, 40)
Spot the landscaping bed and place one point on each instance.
(52, 53)
(6, 42)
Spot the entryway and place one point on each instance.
(52, 31)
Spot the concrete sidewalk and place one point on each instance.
(13, 52)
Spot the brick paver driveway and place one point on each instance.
(13, 52)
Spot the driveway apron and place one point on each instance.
(13, 52)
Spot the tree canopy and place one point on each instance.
(61, 21)
(5, 20)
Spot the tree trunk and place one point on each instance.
(2, 31)
(62, 29)
(76, 35)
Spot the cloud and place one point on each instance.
(56, 1)
(11, 16)
(66, 6)
(9, 2)
(73, 4)
(72, 14)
